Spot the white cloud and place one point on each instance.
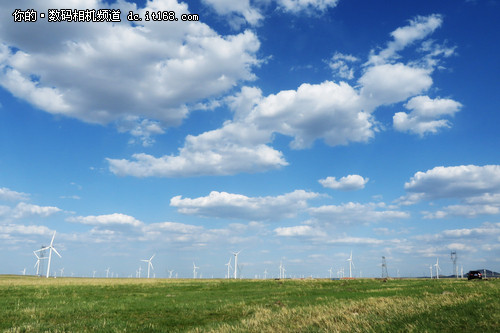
(464, 181)
(23, 210)
(425, 114)
(299, 231)
(10, 229)
(296, 6)
(231, 149)
(351, 212)
(338, 65)
(116, 219)
(330, 111)
(347, 183)
(137, 71)
(391, 83)
(418, 28)
(476, 187)
(236, 10)
(337, 113)
(465, 235)
(10, 195)
(143, 129)
(229, 205)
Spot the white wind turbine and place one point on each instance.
(93, 274)
(236, 263)
(330, 270)
(107, 272)
(150, 264)
(228, 268)
(170, 273)
(24, 271)
(62, 272)
(430, 269)
(51, 248)
(437, 268)
(37, 264)
(194, 270)
(265, 274)
(351, 263)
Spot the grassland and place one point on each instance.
(30, 304)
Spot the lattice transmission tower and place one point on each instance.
(384, 268)
(454, 260)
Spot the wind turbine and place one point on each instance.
(170, 273)
(62, 272)
(330, 270)
(430, 268)
(194, 270)
(351, 263)
(265, 274)
(437, 268)
(93, 274)
(236, 263)
(51, 248)
(37, 264)
(24, 271)
(107, 272)
(228, 268)
(150, 264)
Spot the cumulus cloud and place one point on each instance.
(312, 6)
(476, 187)
(11, 229)
(464, 181)
(339, 65)
(137, 70)
(10, 195)
(425, 115)
(238, 12)
(347, 183)
(299, 231)
(330, 111)
(337, 113)
(351, 212)
(237, 206)
(231, 149)
(23, 210)
(116, 219)
(417, 29)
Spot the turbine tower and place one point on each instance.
(351, 263)
(150, 264)
(51, 248)
(194, 270)
(437, 268)
(228, 268)
(236, 263)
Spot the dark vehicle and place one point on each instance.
(474, 275)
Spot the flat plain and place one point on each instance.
(32, 304)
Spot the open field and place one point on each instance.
(30, 304)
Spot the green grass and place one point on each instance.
(30, 304)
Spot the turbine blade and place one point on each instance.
(152, 256)
(56, 252)
(53, 236)
(151, 265)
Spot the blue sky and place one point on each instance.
(295, 131)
